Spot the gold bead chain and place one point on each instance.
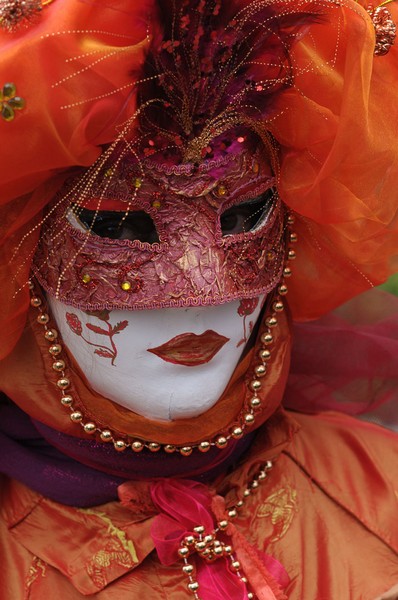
(206, 545)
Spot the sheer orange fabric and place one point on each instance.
(339, 163)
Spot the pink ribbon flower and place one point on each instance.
(192, 526)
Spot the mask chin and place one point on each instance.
(165, 364)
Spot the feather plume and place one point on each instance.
(215, 67)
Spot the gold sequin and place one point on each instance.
(221, 190)
(126, 286)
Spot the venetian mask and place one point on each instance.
(157, 281)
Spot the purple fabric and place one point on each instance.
(27, 457)
(84, 473)
(130, 465)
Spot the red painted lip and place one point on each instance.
(189, 349)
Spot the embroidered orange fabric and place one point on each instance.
(55, 550)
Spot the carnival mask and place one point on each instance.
(203, 250)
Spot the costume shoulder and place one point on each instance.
(356, 464)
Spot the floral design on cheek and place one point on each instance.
(246, 308)
(103, 315)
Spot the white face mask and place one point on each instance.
(165, 364)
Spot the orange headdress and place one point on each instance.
(70, 72)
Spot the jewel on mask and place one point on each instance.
(157, 198)
(206, 152)
(86, 278)
(132, 285)
(126, 286)
(221, 190)
(150, 149)
(137, 182)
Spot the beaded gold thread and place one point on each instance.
(247, 416)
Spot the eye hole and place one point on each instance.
(136, 225)
(247, 216)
